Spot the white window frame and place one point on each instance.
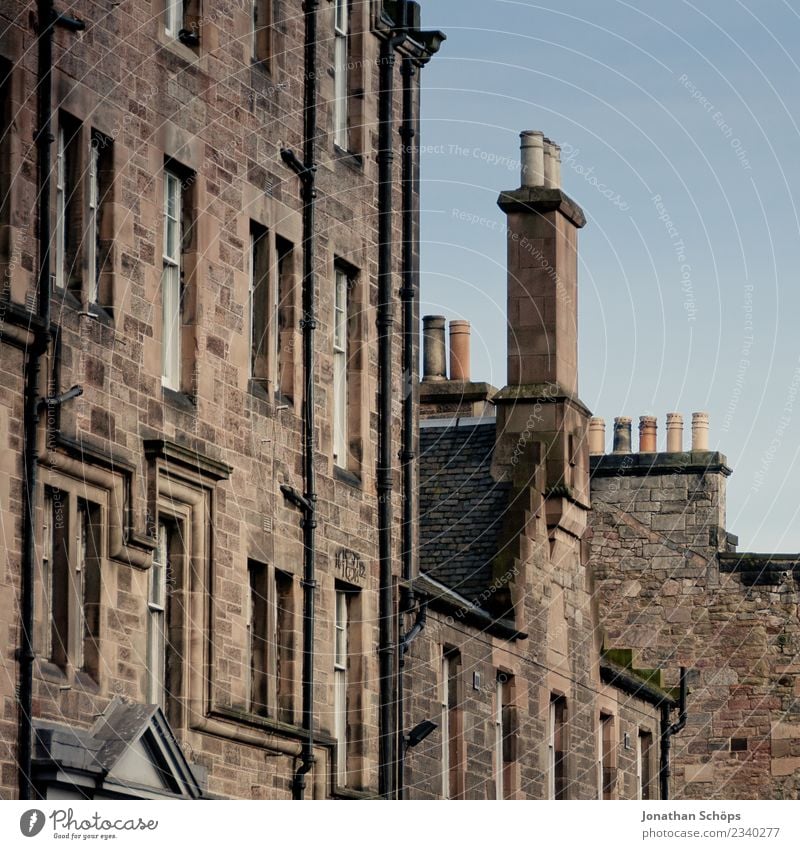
(173, 17)
(157, 620)
(639, 765)
(341, 30)
(498, 739)
(445, 723)
(251, 297)
(340, 685)
(61, 210)
(254, 7)
(48, 530)
(93, 224)
(340, 388)
(601, 752)
(82, 532)
(171, 283)
(551, 751)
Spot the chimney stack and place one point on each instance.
(674, 433)
(699, 431)
(597, 436)
(622, 435)
(434, 356)
(459, 351)
(542, 240)
(648, 434)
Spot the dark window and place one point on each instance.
(259, 304)
(646, 783)
(284, 346)
(558, 748)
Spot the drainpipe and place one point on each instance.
(306, 171)
(667, 732)
(46, 21)
(408, 293)
(385, 322)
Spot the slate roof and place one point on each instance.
(461, 507)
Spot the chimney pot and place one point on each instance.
(622, 435)
(674, 433)
(699, 431)
(434, 366)
(597, 436)
(648, 434)
(549, 163)
(532, 158)
(459, 351)
(555, 156)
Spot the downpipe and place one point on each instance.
(668, 731)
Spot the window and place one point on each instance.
(171, 284)
(505, 731)
(62, 220)
(340, 72)
(87, 580)
(644, 765)
(451, 763)
(182, 21)
(167, 604)
(270, 624)
(262, 34)
(6, 166)
(259, 304)
(284, 319)
(70, 581)
(99, 197)
(340, 367)
(499, 761)
(173, 17)
(69, 212)
(557, 748)
(157, 627)
(606, 758)
(93, 223)
(341, 634)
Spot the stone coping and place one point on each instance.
(636, 465)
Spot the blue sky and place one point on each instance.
(683, 126)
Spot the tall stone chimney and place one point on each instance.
(541, 398)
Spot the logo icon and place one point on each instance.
(31, 822)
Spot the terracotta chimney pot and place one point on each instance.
(648, 434)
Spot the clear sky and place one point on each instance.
(688, 302)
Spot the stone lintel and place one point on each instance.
(182, 455)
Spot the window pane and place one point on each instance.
(61, 223)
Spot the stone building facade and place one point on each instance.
(224, 588)
(673, 589)
(169, 548)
